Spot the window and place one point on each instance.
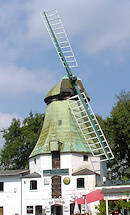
(60, 122)
(56, 159)
(33, 185)
(35, 161)
(1, 186)
(29, 209)
(80, 182)
(85, 157)
(56, 186)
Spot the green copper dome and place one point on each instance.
(64, 89)
(60, 131)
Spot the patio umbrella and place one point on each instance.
(76, 208)
(86, 207)
(91, 197)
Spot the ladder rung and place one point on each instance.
(90, 132)
(85, 128)
(99, 129)
(81, 123)
(96, 124)
(61, 31)
(74, 65)
(54, 29)
(51, 20)
(71, 61)
(97, 143)
(73, 102)
(99, 154)
(54, 14)
(91, 138)
(66, 41)
(77, 107)
(49, 11)
(78, 118)
(106, 147)
(80, 112)
(104, 141)
(67, 51)
(96, 149)
(58, 38)
(89, 127)
(63, 47)
(108, 152)
(69, 56)
(56, 23)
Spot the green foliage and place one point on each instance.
(119, 204)
(113, 206)
(101, 208)
(20, 139)
(118, 130)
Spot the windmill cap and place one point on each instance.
(64, 89)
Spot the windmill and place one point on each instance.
(79, 103)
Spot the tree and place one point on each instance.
(20, 139)
(101, 208)
(113, 206)
(117, 130)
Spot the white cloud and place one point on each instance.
(17, 81)
(98, 25)
(107, 28)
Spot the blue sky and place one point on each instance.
(99, 33)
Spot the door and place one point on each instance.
(38, 210)
(56, 186)
(1, 210)
(56, 210)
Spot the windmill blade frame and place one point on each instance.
(60, 40)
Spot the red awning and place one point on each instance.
(91, 197)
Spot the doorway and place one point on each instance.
(1, 210)
(56, 186)
(38, 210)
(56, 210)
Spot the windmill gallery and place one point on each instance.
(69, 159)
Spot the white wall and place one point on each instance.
(10, 198)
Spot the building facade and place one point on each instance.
(61, 166)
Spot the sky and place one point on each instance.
(99, 34)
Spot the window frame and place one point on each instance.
(1, 186)
(80, 183)
(31, 208)
(33, 185)
(85, 157)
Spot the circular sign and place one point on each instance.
(66, 180)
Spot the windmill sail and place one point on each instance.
(59, 38)
(97, 142)
(82, 112)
